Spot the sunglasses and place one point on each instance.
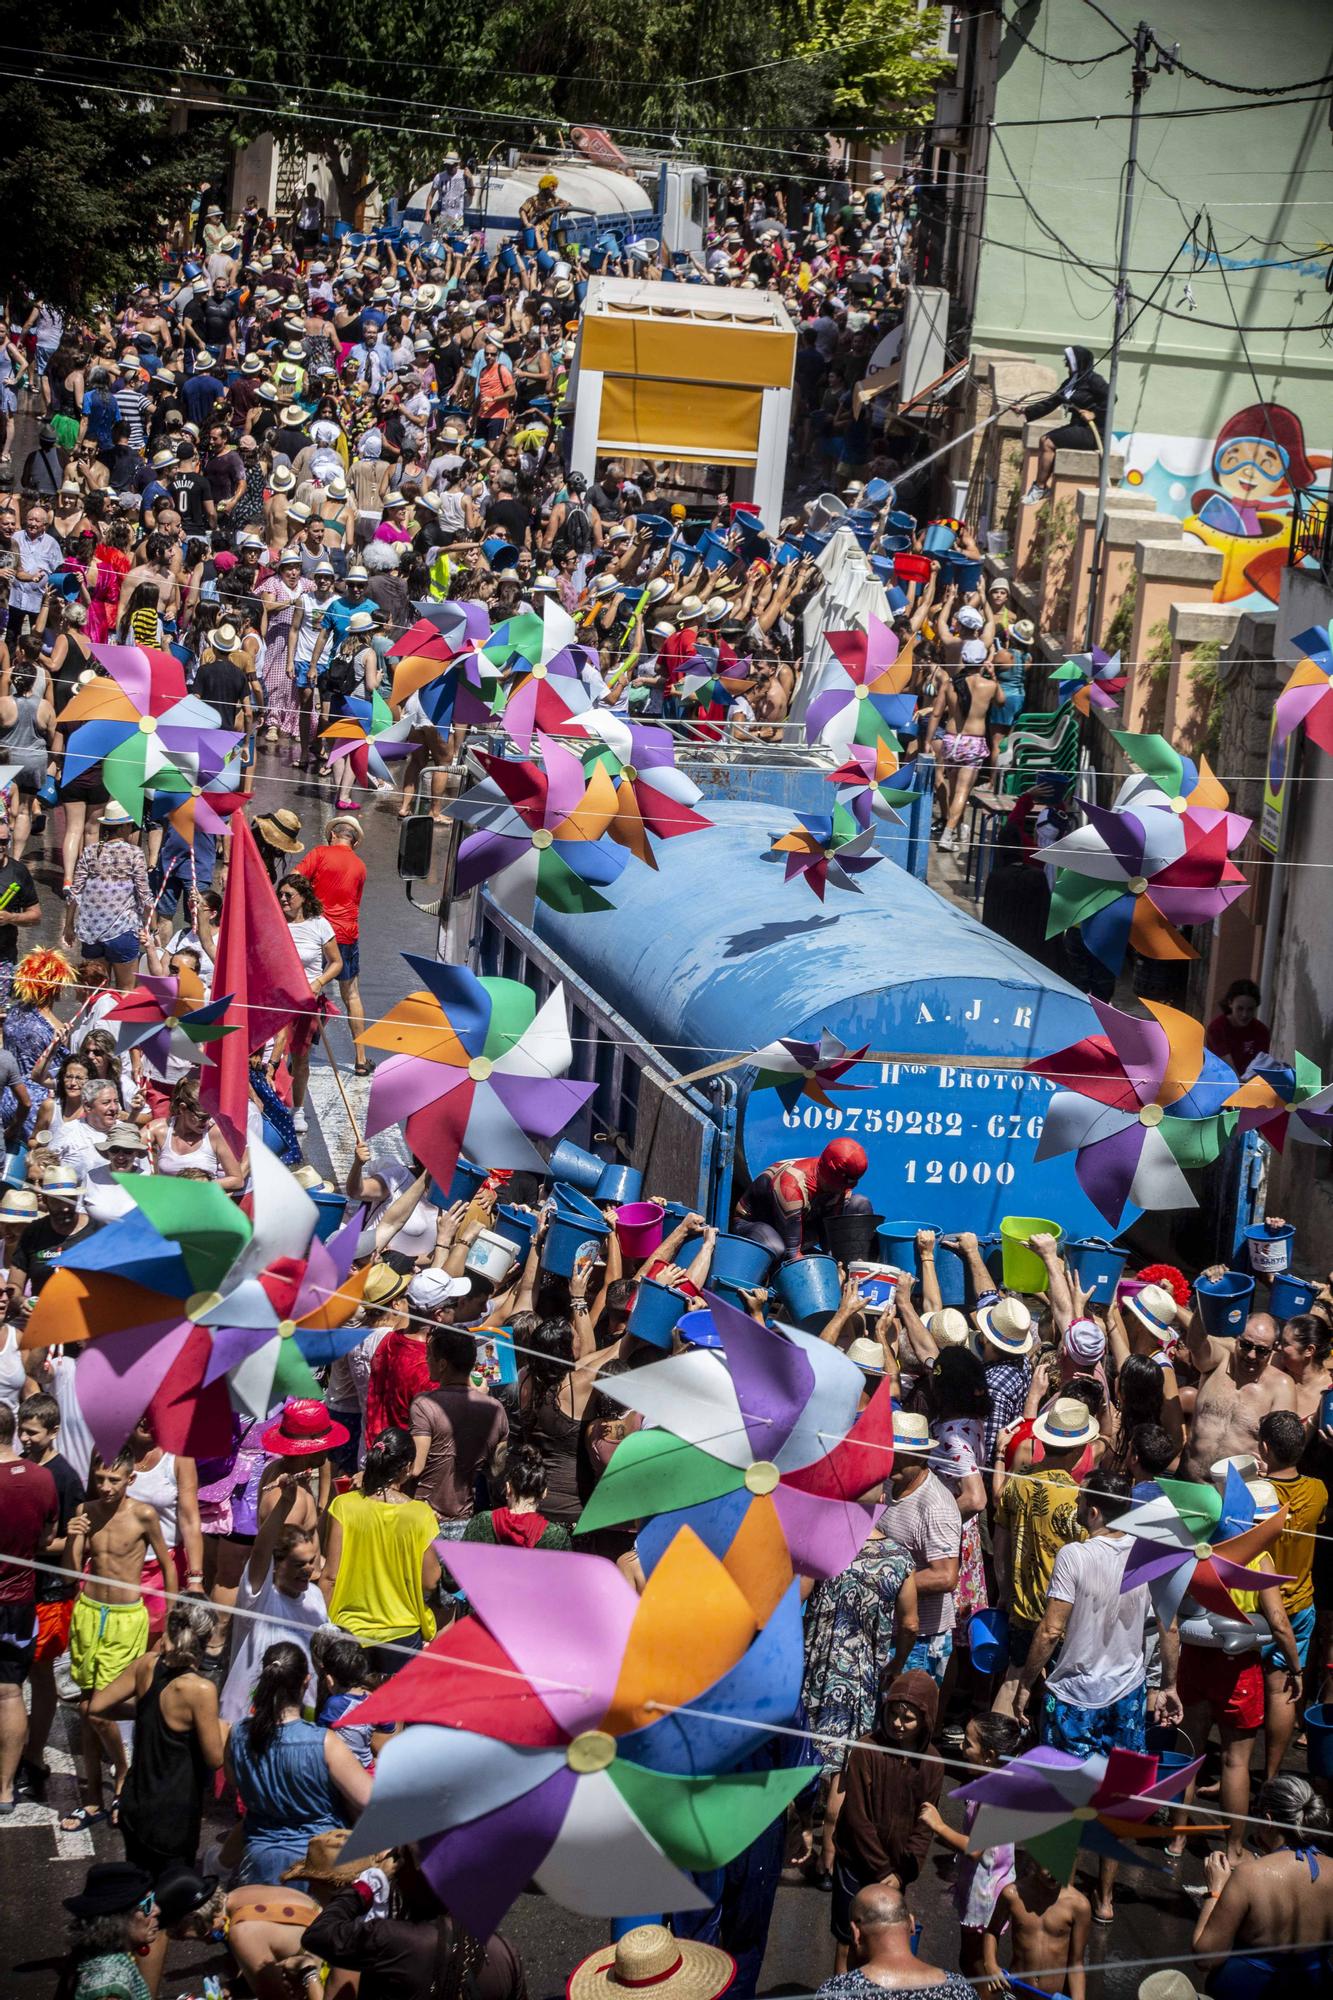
(1254, 1346)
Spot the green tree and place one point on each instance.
(86, 171)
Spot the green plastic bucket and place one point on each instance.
(1023, 1268)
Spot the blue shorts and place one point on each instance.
(1085, 1732)
(931, 1656)
(351, 961)
(119, 950)
(1302, 1629)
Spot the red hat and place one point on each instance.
(1273, 424)
(304, 1428)
(842, 1160)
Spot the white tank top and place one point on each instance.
(13, 1370)
(170, 1161)
(158, 1486)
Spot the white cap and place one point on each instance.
(431, 1289)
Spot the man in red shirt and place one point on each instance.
(337, 874)
(29, 1509)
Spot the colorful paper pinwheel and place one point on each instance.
(142, 727)
(779, 1421)
(1308, 696)
(167, 1018)
(473, 1066)
(861, 695)
(556, 1741)
(1136, 1105)
(872, 782)
(552, 696)
(1052, 1804)
(827, 849)
(1192, 1541)
(366, 734)
(443, 660)
(185, 1290)
(1091, 680)
(653, 798)
(1285, 1100)
(797, 1069)
(1132, 874)
(538, 833)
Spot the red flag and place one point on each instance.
(259, 968)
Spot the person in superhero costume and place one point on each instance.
(785, 1206)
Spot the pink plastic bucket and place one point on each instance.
(639, 1227)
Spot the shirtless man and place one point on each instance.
(1049, 1925)
(155, 569)
(113, 1535)
(1239, 1383)
(965, 741)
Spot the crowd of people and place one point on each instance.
(267, 464)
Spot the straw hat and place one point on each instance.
(867, 1354)
(1066, 1425)
(283, 479)
(1154, 1308)
(19, 1205)
(280, 830)
(293, 414)
(948, 1326)
(312, 1180)
(304, 1428)
(1007, 1325)
(61, 1184)
(650, 1958)
(223, 639)
(382, 1284)
(1169, 1984)
(911, 1434)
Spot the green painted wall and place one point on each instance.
(1264, 176)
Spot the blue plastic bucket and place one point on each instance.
(897, 1244)
(1289, 1296)
(516, 1227)
(467, 1179)
(655, 1312)
(992, 1255)
(739, 1261)
(988, 1639)
(964, 571)
(573, 1205)
(14, 1169)
(938, 539)
(1224, 1303)
(565, 1237)
(1319, 1740)
(569, 1162)
(1268, 1249)
(696, 1328)
(332, 1208)
(951, 1272)
(619, 1183)
(809, 1287)
(676, 1213)
(1098, 1266)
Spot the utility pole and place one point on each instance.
(1144, 42)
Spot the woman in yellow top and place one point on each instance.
(380, 1561)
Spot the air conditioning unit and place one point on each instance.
(949, 116)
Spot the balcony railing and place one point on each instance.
(1311, 542)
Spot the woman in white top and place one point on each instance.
(65, 1103)
(189, 1138)
(321, 961)
(170, 1485)
(13, 1368)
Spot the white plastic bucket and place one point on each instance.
(491, 1257)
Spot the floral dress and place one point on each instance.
(958, 1457)
(279, 688)
(27, 1036)
(848, 1643)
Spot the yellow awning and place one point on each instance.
(757, 357)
